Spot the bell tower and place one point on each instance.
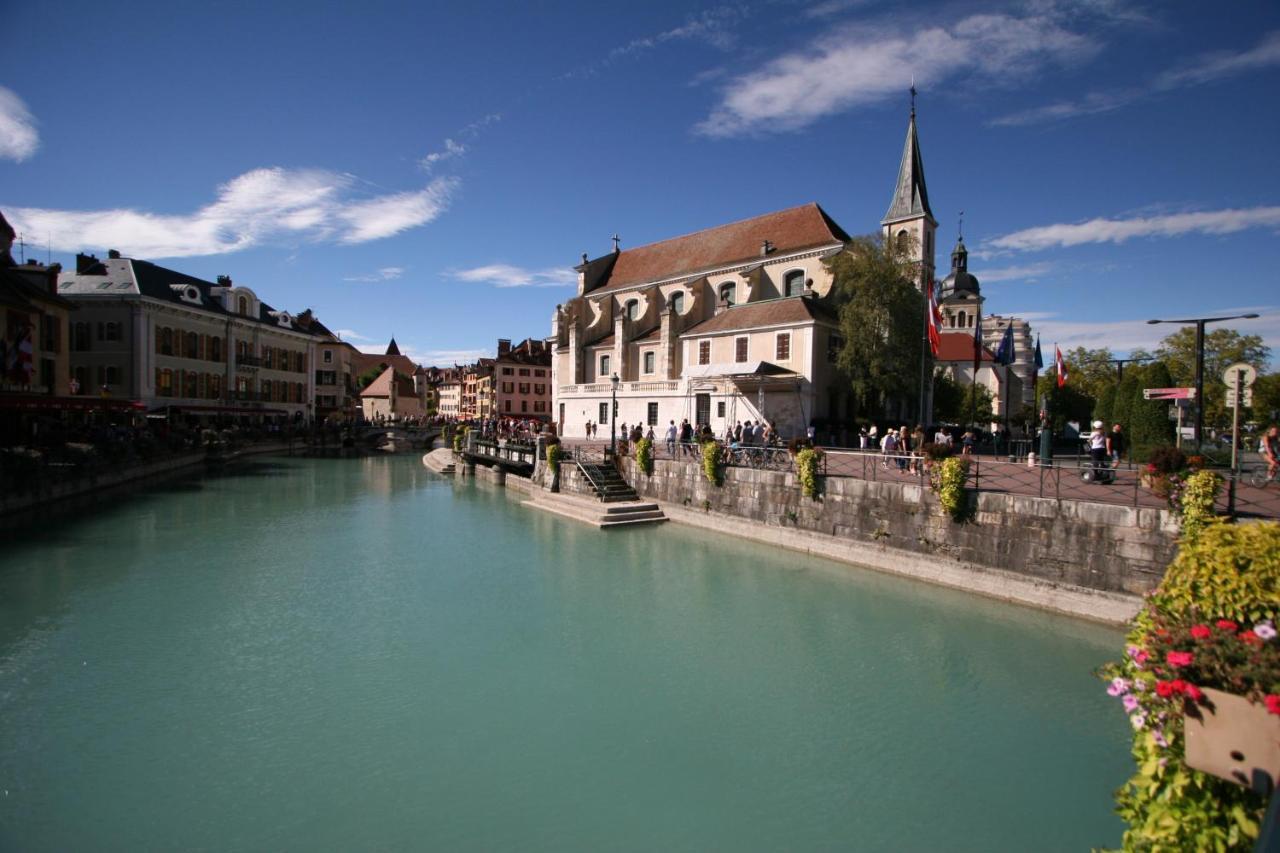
(909, 221)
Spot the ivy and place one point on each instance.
(807, 464)
(644, 455)
(711, 462)
(1198, 496)
(553, 457)
(947, 482)
(460, 438)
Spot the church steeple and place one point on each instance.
(909, 221)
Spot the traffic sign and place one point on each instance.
(1249, 372)
(1168, 393)
(1246, 399)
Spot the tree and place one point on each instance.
(881, 312)
(948, 399)
(1128, 390)
(1266, 399)
(1091, 370)
(976, 406)
(363, 380)
(1065, 404)
(1222, 348)
(1149, 419)
(1104, 409)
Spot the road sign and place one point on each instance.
(1250, 373)
(1246, 399)
(1168, 393)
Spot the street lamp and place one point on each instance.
(613, 419)
(1200, 323)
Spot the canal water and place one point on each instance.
(358, 655)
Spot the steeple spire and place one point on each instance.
(910, 196)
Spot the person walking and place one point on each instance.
(672, 434)
(1115, 446)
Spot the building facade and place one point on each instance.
(523, 381)
(177, 343)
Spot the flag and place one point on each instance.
(977, 346)
(1004, 353)
(1060, 365)
(1039, 357)
(935, 323)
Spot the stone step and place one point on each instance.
(590, 512)
(635, 507)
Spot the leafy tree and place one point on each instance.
(881, 312)
(1066, 403)
(1103, 410)
(976, 406)
(1128, 391)
(363, 380)
(1222, 348)
(1150, 425)
(1266, 398)
(1091, 370)
(948, 399)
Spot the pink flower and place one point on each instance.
(1130, 703)
(1273, 703)
(1179, 658)
(1265, 630)
(1201, 632)
(1228, 625)
(1159, 738)
(1118, 687)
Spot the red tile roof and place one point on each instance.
(804, 227)
(958, 346)
(381, 387)
(752, 315)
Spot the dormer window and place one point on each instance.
(632, 308)
(793, 284)
(677, 303)
(242, 306)
(728, 291)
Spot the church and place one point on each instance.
(735, 323)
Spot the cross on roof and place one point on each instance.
(616, 241)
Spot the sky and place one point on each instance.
(435, 171)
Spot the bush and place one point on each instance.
(1193, 634)
(947, 482)
(711, 464)
(807, 463)
(937, 451)
(1166, 460)
(1198, 495)
(554, 453)
(644, 455)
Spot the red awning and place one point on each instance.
(46, 403)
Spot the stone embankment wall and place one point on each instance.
(1030, 549)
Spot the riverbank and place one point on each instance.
(59, 498)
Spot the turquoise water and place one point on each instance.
(359, 655)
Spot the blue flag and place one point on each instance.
(977, 345)
(1039, 357)
(1004, 353)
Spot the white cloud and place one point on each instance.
(1030, 272)
(350, 335)
(251, 209)
(18, 136)
(506, 275)
(1121, 230)
(1128, 335)
(861, 65)
(1205, 69)
(714, 27)
(451, 150)
(384, 274)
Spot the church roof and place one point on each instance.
(795, 229)
(392, 349)
(958, 346)
(754, 315)
(910, 196)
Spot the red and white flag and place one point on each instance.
(935, 324)
(1059, 365)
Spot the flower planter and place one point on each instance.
(1236, 740)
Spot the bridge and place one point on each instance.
(506, 454)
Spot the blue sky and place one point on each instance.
(433, 171)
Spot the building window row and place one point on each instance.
(188, 383)
(182, 344)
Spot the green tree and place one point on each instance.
(948, 399)
(1090, 370)
(1128, 390)
(1066, 403)
(1149, 419)
(1222, 348)
(1103, 410)
(976, 406)
(881, 311)
(363, 380)
(1266, 399)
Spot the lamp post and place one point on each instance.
(613, 419)
(1200, 323)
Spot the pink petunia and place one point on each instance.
(1179, 658)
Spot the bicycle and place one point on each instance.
(1260, 477)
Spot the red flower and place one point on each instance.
(1164, 689)
(1228, 625)
(1177, 686)
(1193, 693)
(1273, 704)
(1250, 637)
(1201, 632)
(1179, 658)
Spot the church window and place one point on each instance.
(740, 349)
(971, 318)
(793, 284)
(963, 319)
(604, 365)
(727, 291)
(648, 362)
(632, 308)
(783, 348)
(704, 352)
(904, 240)
(244, 306)
(677, 303)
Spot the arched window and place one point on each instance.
(166, 341)
(631, 308)
(677, 303)
(193, 345)
(728, 290)
(963, 319)
(244, 306)
(972, 317)
(904, 240)
(215, 349)
(793, 283)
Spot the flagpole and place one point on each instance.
(924, 344)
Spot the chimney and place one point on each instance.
(54, 270)
(584, 259)
(84, 263)
(504, 347)
(113, 254)
(224, 281)
(765, 248)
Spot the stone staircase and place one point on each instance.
(606, 483)
(441, 461)
(589, 510)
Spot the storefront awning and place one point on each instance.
(46, 403)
